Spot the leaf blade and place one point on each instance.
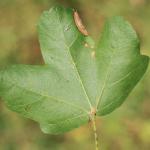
(24, 94)
(64, 19)
(119, 49)
(76, 77)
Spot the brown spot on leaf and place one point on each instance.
(93, 54)
(86, 45)
(79, 24)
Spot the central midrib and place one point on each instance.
(74, 66)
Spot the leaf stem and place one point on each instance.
(95, 133)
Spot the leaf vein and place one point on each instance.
(50, 97)
(69, 119)
(74, 65)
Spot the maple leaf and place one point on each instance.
(77, 80)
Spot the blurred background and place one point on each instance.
(127, 128)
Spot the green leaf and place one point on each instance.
(76, 78)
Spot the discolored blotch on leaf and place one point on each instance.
(79, 24)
